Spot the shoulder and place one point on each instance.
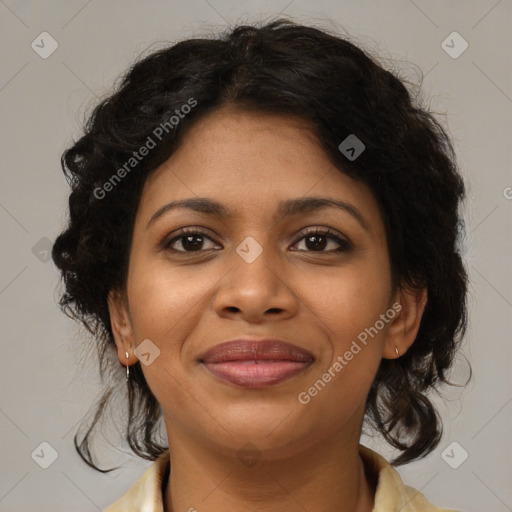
(418, 502)
(146, 493)
(391, 494)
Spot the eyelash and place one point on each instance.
(345, 245)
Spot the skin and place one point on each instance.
(186, 302)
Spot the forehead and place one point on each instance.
(239, 145)
(251, 162)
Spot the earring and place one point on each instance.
(127, 367)
(397, 353)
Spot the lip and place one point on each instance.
(256, 363)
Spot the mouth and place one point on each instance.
(256, 363)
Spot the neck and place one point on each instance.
(326, 477)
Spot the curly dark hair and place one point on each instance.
(285, 68)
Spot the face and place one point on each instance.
(258, 272)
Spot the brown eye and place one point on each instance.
(189, 240)
(317, 241)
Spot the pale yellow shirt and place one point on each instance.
(391, 494)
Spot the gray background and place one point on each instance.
(48, 382)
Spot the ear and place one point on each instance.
(406, 323)
(121, 327)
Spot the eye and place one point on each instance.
(191, 240)
(318, 239)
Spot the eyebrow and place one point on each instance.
(287, 208)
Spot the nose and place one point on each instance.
(256, 290)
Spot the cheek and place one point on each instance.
(347, 312)
(351, 300)
(164, 297)
(167, 302)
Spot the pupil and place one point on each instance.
(320, 245)
(193, 245)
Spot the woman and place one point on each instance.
(268, 223)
